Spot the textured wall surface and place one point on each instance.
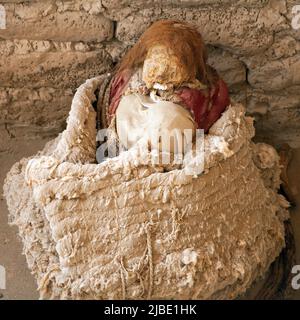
(49, 47)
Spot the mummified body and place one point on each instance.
(164, 83)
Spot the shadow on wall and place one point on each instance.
(254, 45)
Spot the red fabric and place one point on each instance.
(117, 88)
(205, 105)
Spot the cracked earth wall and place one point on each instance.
(50, 47)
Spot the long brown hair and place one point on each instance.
(184, 38)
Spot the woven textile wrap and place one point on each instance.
(128, 229)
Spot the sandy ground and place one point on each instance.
(20, 284)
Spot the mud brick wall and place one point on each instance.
(49, 47)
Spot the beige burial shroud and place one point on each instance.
(127, 229)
